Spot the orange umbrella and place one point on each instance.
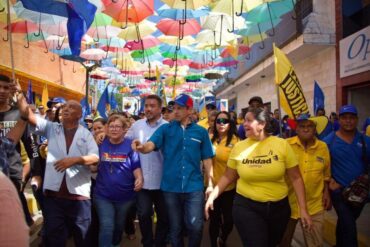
(129, 10)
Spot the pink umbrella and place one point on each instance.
(114, 49)
(147, 42)
(176, 28)
(180, 62)
(93, 54)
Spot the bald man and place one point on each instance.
(71, 150)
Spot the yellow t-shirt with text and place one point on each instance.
(261, 167)
(222, 153)
(204, 123)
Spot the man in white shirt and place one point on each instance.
(152, 167)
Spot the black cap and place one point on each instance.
(255, 98)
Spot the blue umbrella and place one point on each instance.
(178, 14)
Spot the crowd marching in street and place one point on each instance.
(172, 171)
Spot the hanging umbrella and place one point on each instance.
(147, 42)
(59, 29)
(222, 22)
(101, 19)
(175, 28)
(231, 63)
(129, 10)
(112, 42)
(235, 51)
(233, 7)
(172, 40)
(169, 51)
(93, 54)
(181, 14)
(209, 38)
(136, 31)
(54, 42)
(147, 52)
(22, 27)
(270, 11)
(188, 4)
(180, 62)
(104, 32)
(198, 66)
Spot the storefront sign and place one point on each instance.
(355, 53)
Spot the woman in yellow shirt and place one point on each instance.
(261, 209)
(224, 137)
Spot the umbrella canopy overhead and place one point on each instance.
(183, 38)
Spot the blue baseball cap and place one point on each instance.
(184, 100)
(348, 109)
(55, 100)
(303, 117)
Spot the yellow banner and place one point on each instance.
(292, 99)
(45, 96)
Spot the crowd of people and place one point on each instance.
(168, 167)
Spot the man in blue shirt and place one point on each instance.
(346, 150)
(184, 145)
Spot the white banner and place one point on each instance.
(355, 53)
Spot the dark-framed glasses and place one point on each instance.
(222, 121)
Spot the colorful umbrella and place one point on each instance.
(172, 40)
(180, 62)
(181, 14)
(188, 4)
(93, 54)
(176, 28)
(270, 11)
(129, 10)
(136, 31)
(147, 42)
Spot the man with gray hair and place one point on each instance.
(71, 150)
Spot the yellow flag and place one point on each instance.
(45, 96)
(292, 99)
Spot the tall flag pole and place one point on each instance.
(290, 93)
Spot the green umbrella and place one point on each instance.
(193, 77)
(101, 19)
(270, 11)
(148, 52)
(32, 37)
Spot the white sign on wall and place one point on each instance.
(355, 53)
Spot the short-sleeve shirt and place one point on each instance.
(222, 153)
(116, 180)
(346, 158)
(183, 150)
(261, 166)
(314, 165)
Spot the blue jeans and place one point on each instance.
(346, 231)
(62, 217)
(145, 201)
(187, 208)
(112, 217)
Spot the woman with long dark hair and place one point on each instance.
(224, 137)
(259, 165)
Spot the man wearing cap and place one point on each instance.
(314, 165)
(89, 122)
(348, 149)
(184, 145)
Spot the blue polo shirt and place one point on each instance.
(183, 149)
(346, 159)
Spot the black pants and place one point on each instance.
(260, 224)
(145, 201)
(221, 217)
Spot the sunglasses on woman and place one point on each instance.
(222, 121)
